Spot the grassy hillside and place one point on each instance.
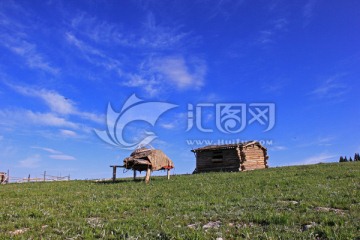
(292, 202)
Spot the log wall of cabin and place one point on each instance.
(230, 161)
(253, 157)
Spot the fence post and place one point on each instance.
(29, 178)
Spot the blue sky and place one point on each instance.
(63, 62)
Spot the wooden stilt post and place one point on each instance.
(44, 176)
(147, 177)
(134, 174)
(168, 174)
(114, 173)
(29, 178)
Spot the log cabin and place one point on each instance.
(231, 157)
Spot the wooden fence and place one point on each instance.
(43, 178)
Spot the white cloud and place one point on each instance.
(162, 73)
(31, 162)
(176, 70)
(278, 148)
(271, 34)
(14, 37)
(48, 119)
(319, 158)
(62, 157)
(319, 141)
(150, 85)
(94, 55)
(50, 150)
(168, 125)
(224, 9)
(12, 117)
(57, 103)
(68, 133)
(55, 154)
(92, 37)
(308, 11)
(150, 35)
(331, 88)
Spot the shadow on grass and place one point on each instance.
(126, 180)
(119, 181)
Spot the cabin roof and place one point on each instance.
(143, 157)
(226, 146)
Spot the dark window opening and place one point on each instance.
(217, 157)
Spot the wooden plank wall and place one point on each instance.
(253, 157)
(231, 161)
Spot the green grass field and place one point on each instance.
(304, 202)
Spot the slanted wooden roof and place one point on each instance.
(226, 146)
(143, 158)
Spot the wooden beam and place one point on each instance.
(147, 177)
(134, 175)
(168, 174)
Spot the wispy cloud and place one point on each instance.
(275, 86)
(224, 8)
(58, 104)
(174, 69)
(150, 35)
(308, 11)
(320, 141)
(68, 133)
(95, 55)
(278, 148)
(271, 33)
(331, 88)
(319, 158)
(157, 74)
(158, 67)
(28, 51)
(175, 121)
(30, 162)
(62, 157)
(23, 117)
(14, 35)
(55, 154)
(168, 125)
(49, 150)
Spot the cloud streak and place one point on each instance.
(319, 158)
(55, 154)
(168, 72)
(159, 67)
(331, 88)
(58, 104)
(14, 36)
(30, 162)
(308, 11)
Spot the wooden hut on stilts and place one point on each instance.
(149, 160)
